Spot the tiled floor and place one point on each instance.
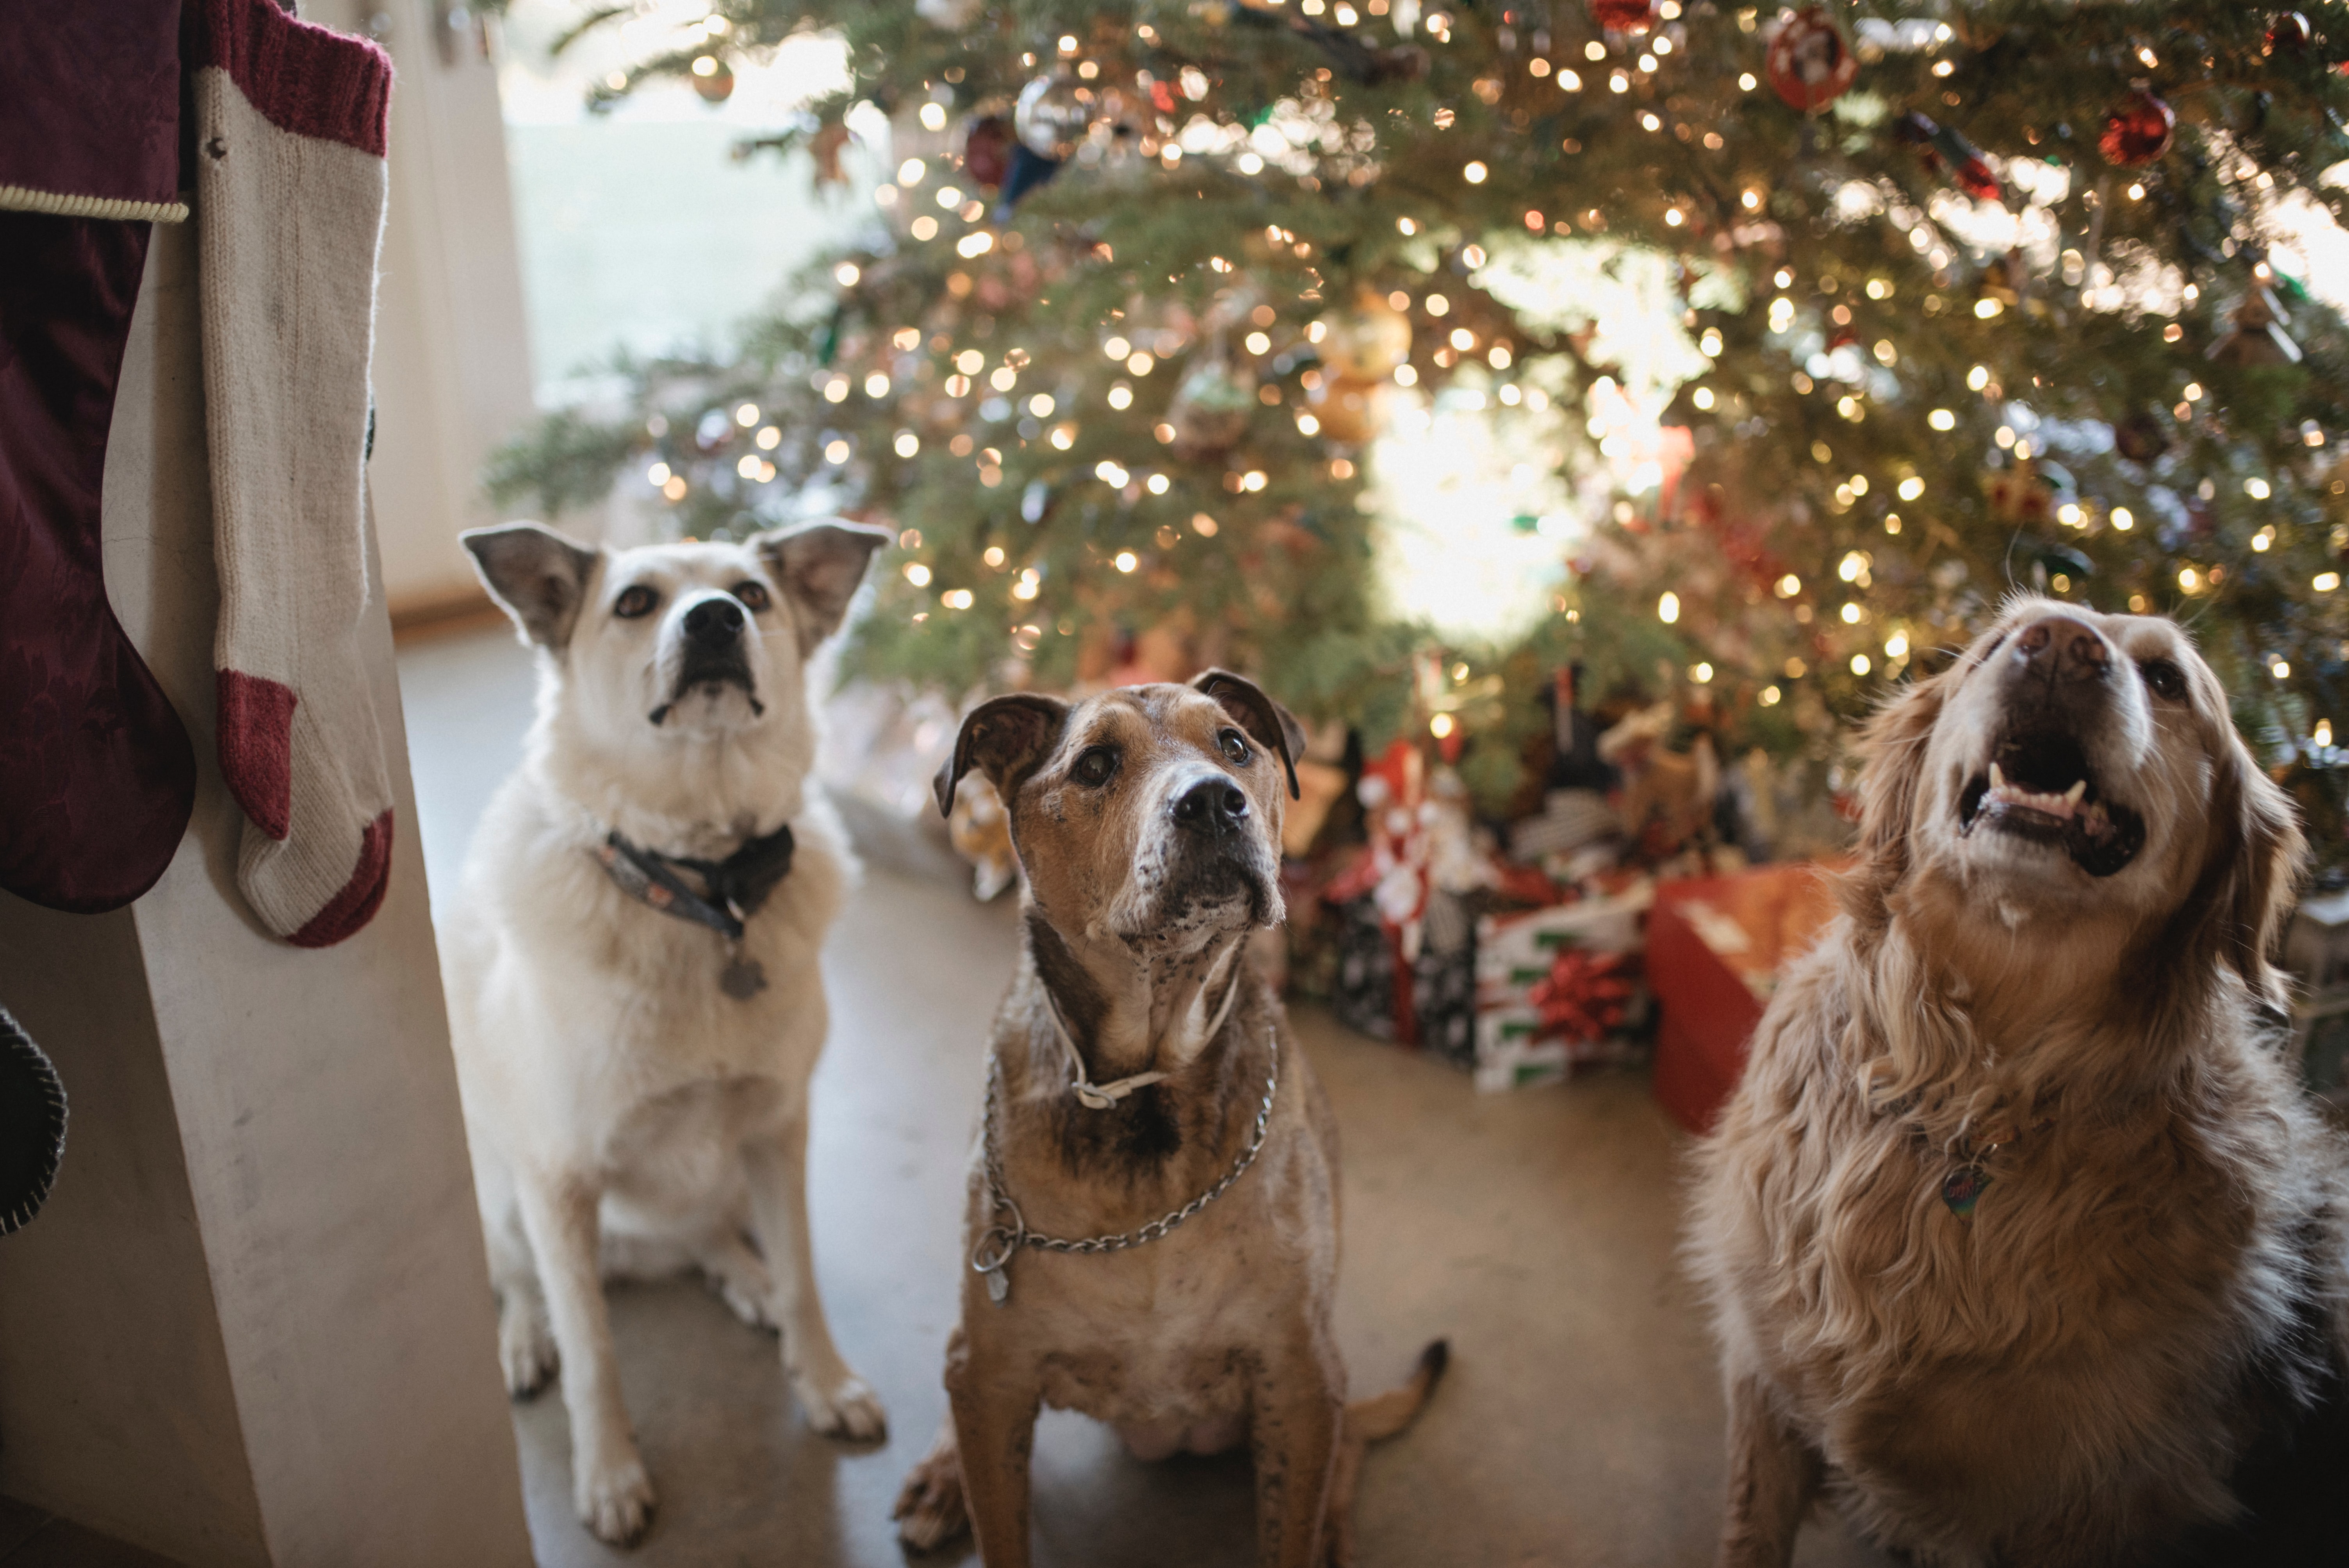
(1579, 1425)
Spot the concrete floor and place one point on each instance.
(1579, 1424)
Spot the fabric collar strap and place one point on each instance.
(734, 887)
(1104, 1097)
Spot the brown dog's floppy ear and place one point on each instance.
(1004, 739)
(2262, 852)
(1268, 723)
(1894, 744)
(535, 574)
(818, 566)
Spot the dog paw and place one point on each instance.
(526, 1350)
(745, 1302)
(615, 1500)
(846, 1409)
(930, 1510)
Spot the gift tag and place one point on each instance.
(999, 1285)
(743, 978)
(1962, 1189)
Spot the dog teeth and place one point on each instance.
(2063, 806)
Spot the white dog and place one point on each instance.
(633, 991)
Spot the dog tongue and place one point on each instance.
(2063, 806)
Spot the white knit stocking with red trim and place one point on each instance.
(291, 123)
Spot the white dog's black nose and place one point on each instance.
(1211, 806)
(714, 622)
(2060, 648)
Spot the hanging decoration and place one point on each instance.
(1631, 17)
(1945, 151)
(1810, 63)
(713, 79)
(2137, 131)
(1052, 118)
(987, 143)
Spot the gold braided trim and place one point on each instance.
(19, 198)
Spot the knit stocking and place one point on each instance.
(97, 777)
(96, 774)
(290, 142)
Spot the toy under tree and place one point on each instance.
(1960, 296)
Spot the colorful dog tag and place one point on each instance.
(1962, 1189)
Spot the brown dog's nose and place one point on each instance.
(2060, 648)
(1212, 805)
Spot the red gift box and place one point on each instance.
(1716, 948)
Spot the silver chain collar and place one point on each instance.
(1000, 1242)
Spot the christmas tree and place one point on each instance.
(1402, 355)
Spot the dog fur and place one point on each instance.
(2144, 1317)
(616, 1100)
(1136, 919)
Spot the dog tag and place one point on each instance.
(999, 1285)
(743, 978)
(1962, 1189)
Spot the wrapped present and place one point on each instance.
(1716, 949)
(1514, 951)
(2316, 952)
(1372, 988)
(1559, 988)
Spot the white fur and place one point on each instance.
(614, 1093)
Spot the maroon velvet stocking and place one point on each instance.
(97, 778)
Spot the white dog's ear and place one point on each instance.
(537, 575)
(1004, 738)
(1268, 723)
(1894, 744)
(818, 565)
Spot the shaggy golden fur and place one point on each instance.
(2099, 1364)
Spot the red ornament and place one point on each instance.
(2288, 34)
(1624, 16)
(1809, 62)
(715, 85)
(2138, 132)
(986, 146)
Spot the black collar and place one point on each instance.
(733, 888)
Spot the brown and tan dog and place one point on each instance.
(1144, 1095)
(2024, 1245)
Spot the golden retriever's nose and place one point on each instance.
(2060, 648)
(1213, 806)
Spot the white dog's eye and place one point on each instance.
(1233, 745)
(2165, 678)
(634, 600)
(753, 595)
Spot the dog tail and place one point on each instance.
(1383, 1415)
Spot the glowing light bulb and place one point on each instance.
(1668, 608)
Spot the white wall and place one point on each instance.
(453, 374)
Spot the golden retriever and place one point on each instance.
(2023, 1245)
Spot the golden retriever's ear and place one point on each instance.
(1004, 738)
(1894, 745)
(2257, 855)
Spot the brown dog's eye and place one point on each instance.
(1095, 767)
(1235, 746)
(2166, 678)
(754, 596)
(635, 601)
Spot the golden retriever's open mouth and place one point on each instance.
(2038, 786)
